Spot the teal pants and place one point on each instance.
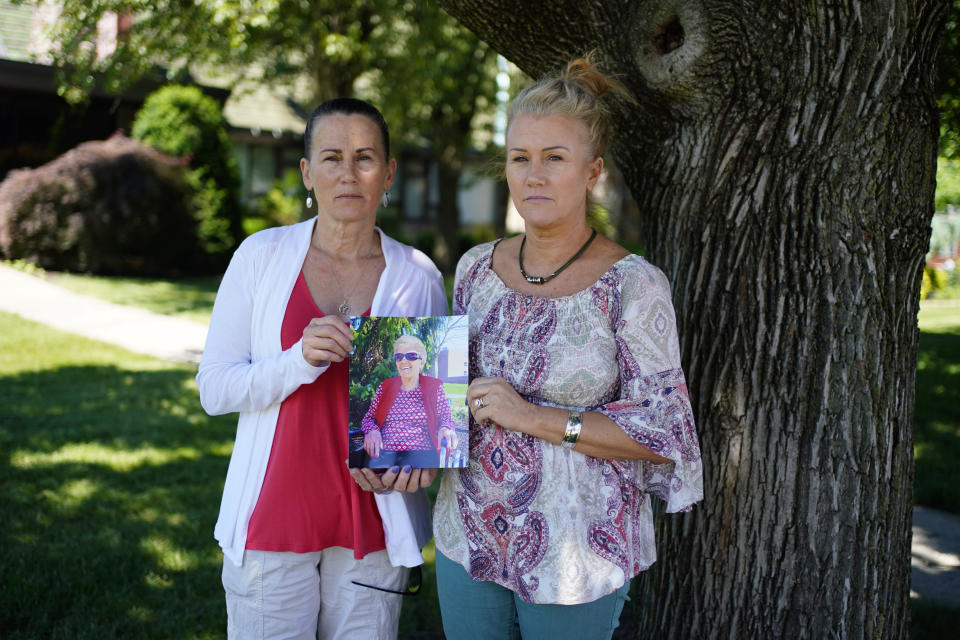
(487, 611)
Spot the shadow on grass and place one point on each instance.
(109, 488)
(931, 620)
(110, 484)
(937, 422)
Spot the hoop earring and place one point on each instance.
(385, 199)
(309, 201)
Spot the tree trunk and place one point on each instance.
(448, 215)
(450, 136)
(783, 158)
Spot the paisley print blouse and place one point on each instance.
(549, 523)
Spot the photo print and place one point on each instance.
(408, 390)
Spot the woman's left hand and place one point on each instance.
(493, 400)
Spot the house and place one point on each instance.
(265, 124)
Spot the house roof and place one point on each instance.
(263, 109)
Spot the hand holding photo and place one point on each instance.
(408, 381)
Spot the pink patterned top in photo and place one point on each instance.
(405, 428)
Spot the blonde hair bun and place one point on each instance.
(585, 74)
(574, 92)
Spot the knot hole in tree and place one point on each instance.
(669, 36)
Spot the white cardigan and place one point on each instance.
(245, 369)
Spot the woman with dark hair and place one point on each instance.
(304, 548)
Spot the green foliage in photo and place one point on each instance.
(948, 183)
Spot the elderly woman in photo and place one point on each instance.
(304, 548)
(409, 419)
(580, 406)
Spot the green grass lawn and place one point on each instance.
(109, 487)
(190, 298)
(110, 484)
(111, 479)
(937, 415)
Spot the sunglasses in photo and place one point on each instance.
(410, 355)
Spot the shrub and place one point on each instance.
(183, 122)
(478, 234)
(107, 207)
(939, 283)
(281, 205)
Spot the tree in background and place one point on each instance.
(183, 122)
(433, 80)
(430, 76)
(948, 85)
(783, 159)
(325, 42)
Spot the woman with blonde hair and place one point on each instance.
(579, 404)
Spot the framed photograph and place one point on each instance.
(408, 392)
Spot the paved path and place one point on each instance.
(936, 556)
(936, 535)
(135, 329)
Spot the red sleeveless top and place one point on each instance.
(308, 501)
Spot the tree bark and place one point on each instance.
(783, 159)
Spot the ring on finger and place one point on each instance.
(479, 403)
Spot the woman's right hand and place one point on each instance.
(372, 442)
(326, 339)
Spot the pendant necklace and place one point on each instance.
(343, 309)
(546, 279)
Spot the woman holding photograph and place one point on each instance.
(580, 406)
(304, 548)
(409, 420)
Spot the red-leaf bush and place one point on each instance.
(113, 207)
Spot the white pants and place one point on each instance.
(294, 595)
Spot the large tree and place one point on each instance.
(783, 158)
(434, 78)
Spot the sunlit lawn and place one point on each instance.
(937, 414)
(110, 481)
(190, 298)
(109, 485)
